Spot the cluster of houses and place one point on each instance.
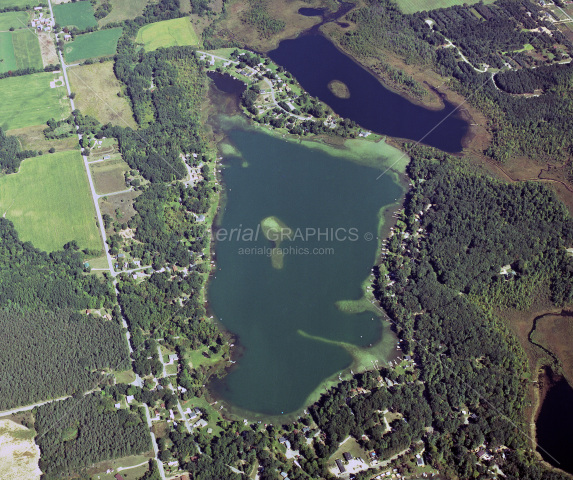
(128, 399)
(41, 23)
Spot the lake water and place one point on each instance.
(286, 319)
(311, 12)
(555, 426)
(315, 61)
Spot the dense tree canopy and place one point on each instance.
(46, 355)
(77, 432)
(441, 278)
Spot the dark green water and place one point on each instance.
(267, 307)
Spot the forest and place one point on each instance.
(440, 284)
(548, 78)
(535, 127)
(11, 155)
(82, 430)
(167, 113)
(47, 355)
(33, 279)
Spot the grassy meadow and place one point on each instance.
(29, 100)
(168, 33)
(96, 89)
(123, 10)
(91, 45)
(49, 202)
(13, 20)
(109, 175)
(79, 14)
(413, 6)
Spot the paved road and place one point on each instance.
(27, 408)
(154, 442)
(179, 407)
(95, 198)
(31, 407)
(269, 83)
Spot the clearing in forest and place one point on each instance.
(78, 14)
(49, 202)
(92, 45)
(29, 100)
(413, 6)
(109, 175)
(168, 33)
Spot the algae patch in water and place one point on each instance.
(276, 231)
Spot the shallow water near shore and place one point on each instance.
(292, 336)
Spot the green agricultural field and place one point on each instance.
(413, 6)
(21, 3)
(29, 100)
(78, 14)
(168, 33)
(13, 19)
(19, 49)
(49, 202)
(7, 58)
(27, 49)
(91, 45)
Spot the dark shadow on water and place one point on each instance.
(226, 83)
(555, 424)
(311, 12)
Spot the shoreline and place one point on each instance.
(223, 368)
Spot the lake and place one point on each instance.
(292, 336)
(315, 62)
(554, 424)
